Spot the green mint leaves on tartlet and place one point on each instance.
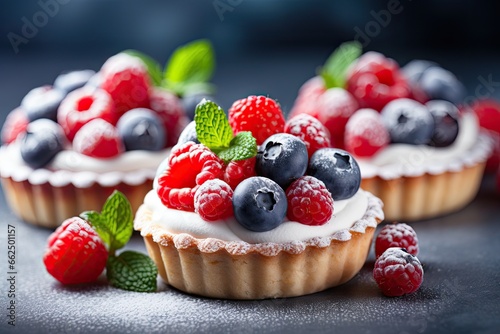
(189, 68)
(213, 130)
(334, 71)
(114, 224)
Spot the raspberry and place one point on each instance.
(376, 80)
(169, 108)
(365, 133)
(335, 107)
(83, 105)
(312, 132)
(15, 124)
(126, 79)
(75, 253)
(213, 200)
(309, 201)
(488, 112)
(305, 103)
(237, 171)
(189, 166)
(98, 139)
(397, 272)
(396, 235)
(258, 114)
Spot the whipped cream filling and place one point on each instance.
(398, 160)
(346, 213)
(68, 166)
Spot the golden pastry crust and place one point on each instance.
(239, 270)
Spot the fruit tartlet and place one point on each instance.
(419, 147)
(69, 145)
(251, 207)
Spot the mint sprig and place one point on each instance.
(334, 71)
(130, 270)
(214, 131)
(115, 222)
(189, 68)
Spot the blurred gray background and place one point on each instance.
(263, 46)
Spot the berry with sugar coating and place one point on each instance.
(309, 202)
(75, 254)
(365, 133)
(396, 235)
(213, 200)
(260, 115)
(397, 272)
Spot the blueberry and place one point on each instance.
(408, 122)
(259, 204)
(282, 158)
(42, 141)
(42, 102)
(142, 129)
(441, 84)
(338, 170)
(191, 100)
(414, 69)
(446, 126)
(68, 82)
(188, 134)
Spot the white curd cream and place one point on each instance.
(131, 167)
(346, 213)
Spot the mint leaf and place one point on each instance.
(132, 271)
(190, 64)
(100, 224)
(335, 69)
(154, 68)
(212, 127)
(115, 222)
(243, 146)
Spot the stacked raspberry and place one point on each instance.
(397, 269)
(256, 167)
(367, 101)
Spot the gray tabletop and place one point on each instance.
(460, 292)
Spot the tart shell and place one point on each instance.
(239, 270)
(431, 194)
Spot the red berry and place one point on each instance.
(309, 201)
(258, 114)
(376, 80)
(169, 107)
(312, 132)
(365, 133)
(189, 166)
(237, 171)
(396, 235)
(213, 200)
(15, 124)
(488, 112)
(335, 107)
(98, 139)
(126, 79)
(306, 101)
(397, 272)
(75, 253)
(83, 105)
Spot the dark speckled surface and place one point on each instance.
(460, 293)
